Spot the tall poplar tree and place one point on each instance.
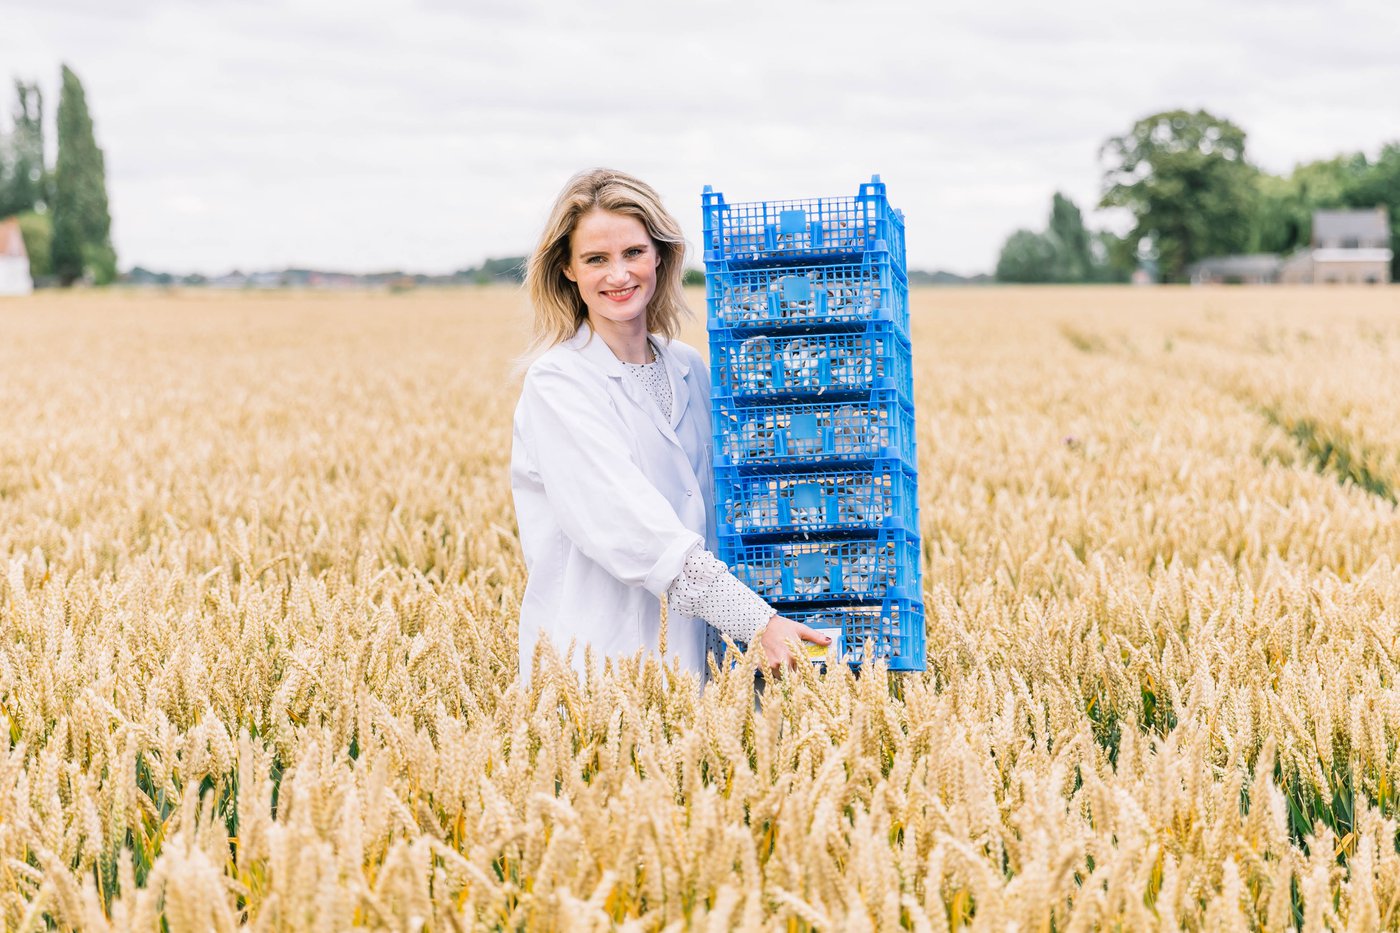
(1074, 262)
(82, 226)
(1063, 253)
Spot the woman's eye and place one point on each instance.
(635, 252)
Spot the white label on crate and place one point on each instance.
(823, 654)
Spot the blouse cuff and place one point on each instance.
(707, 590)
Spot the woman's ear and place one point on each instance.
(569, 274)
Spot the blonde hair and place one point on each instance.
(559, 310)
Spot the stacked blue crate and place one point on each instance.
(816, 487)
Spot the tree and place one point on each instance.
(1073, 261)
(22, 175)
(1026, 257)
(37, 231)
(82, 242)
(1185, 179)
(1283, 215)
(1065, 252)
(1380, 184)
(507, 269)
(1114, 260)
(1283, 220)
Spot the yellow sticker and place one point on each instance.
(822, 653)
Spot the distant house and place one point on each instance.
(1256, 269)
(14, 261)
(1347, 247)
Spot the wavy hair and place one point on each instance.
(559, 309)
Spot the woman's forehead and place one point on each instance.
(603, 228)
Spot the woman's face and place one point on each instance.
(613, 261)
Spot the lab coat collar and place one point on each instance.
(593, 349)
(676, 371)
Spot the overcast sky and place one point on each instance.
(431, 135)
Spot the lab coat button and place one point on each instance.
(690, 492)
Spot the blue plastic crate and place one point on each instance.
(878, 426)
(817, 571)
(810, 228)
(749, 366)
(863, 499)
(895, 627)
(769, 298)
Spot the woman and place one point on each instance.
(610, 454)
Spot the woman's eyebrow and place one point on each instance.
(603, 252)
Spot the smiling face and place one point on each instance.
(613, 261)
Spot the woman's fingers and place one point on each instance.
(780, 656)
(786, 658)
(782, 635)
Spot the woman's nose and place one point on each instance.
(617, 271)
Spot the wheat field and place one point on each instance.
(258, 664)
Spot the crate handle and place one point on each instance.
(777, 373)
(794, 221)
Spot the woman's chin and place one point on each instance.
(622, 316)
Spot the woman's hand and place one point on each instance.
(778, 633)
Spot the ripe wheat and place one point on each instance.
(258, 665)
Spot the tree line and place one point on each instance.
(62, 210)
(1186, 179)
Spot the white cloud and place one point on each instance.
(431, 135)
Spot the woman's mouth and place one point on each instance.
(621, 294)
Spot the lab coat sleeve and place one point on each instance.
(601, 499)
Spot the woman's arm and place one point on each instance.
(707, 590)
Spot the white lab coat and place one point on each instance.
(610, 497)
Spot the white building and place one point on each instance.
(1351, 247)
(1255, 269)
(14, 261)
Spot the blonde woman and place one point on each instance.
(610, 453)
